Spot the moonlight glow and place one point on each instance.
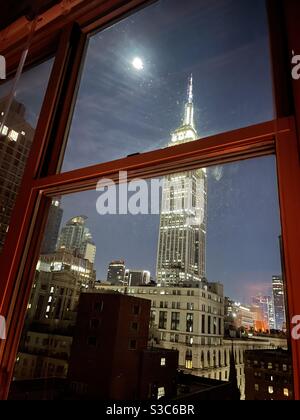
(137, 63)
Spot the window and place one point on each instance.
(92, 341)
(163, 317)
(189, 359)
(17, 135)
(270, 390)
(189, 322)
(132, 345)
(136, 309)
(209, 325)
(286, 392)
(229, 233)
(134, 326)
(203, 323)
(189, 340)
(98, 307)
(128, 85)
(95, 323)
(160, 392)
(163, 361)
(175, 321)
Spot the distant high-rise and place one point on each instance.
(52, 228)
(15, 142)
(279, 302)
(116, 272)
(137, 277)
(265, 303)
(76, 237)
(182, 233)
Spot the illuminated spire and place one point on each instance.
(190, 90)
(189, 106)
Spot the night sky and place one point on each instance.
(121, 110)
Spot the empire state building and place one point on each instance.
(182, 232)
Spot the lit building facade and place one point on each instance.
(76, 237)
(137, 277)
(116, 272)
(191, 320)
(265, 303)
(182, 232)
(15, 142)
(279, 302)
(50, 320)
(63, 261)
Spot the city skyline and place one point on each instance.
(251, 256)
(121, 110)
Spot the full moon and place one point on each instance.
(137, 63)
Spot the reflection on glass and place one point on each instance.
(17, 136)
(133, 85)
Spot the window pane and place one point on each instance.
(17, 135)
(134, 84)
(213, 290)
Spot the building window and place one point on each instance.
(189, 322)
(270, 390)
(175, 321)
(98, 307)
(94, 323)
(189, 340)
(92, 341)
(132, 344)
(163, 361)
(256, 387)
(160, 392)
(136, 309)
(284, 368)
(209, 325)
(163, 317)
(203, 324)
(189, 359)
(286, 392)
(134, 326)
(270, 366)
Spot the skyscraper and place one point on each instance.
(116, 272)
(266, 305)
(15, 142)
(182, 233)
(52, 228)
(279, 302)
(137, 277)
(76, 237)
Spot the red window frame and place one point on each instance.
(42, 180)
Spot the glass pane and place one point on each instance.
(184, 273)
(17, 135)
(136, 74)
